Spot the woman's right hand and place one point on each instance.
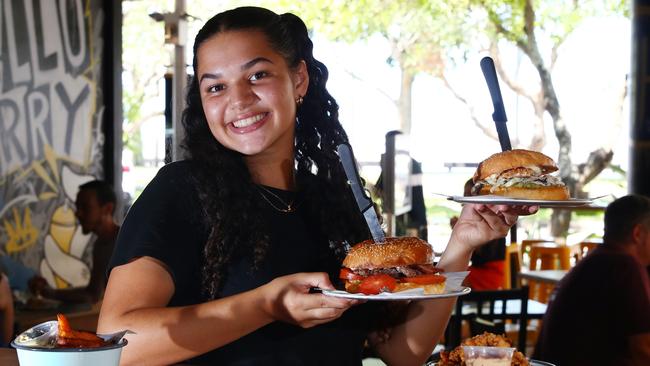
(288, 299)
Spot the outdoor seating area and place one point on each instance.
(532, 269)
(491, 311)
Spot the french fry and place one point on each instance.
(71, 338)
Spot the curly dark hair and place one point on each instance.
(222, 178)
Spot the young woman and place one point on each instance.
(216, 258)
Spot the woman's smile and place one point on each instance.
(248, 124)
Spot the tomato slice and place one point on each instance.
(425, 279)
(375, 284)
(347, 274)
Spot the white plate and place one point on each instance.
(453, 287)
(500, 200)
(414, 294)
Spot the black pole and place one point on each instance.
(112, 94)
(639, 168)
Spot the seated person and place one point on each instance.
(6, 311)
(95, 205)
(487, 269)
(600, 312)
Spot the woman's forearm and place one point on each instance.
(412, 342)
(455, 257)
(136, 299)
(138, 293)
(169, 335)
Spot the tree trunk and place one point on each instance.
(575, 177)
(406, 101)
(560, 222)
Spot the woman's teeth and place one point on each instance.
(248, 121)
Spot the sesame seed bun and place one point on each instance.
(395, 252)
(511, 159)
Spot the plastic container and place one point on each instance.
(37, 347)
(488, 356)
(101, 356)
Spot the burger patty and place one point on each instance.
(521, 172)
(397, 272)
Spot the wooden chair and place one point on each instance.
(549, 256)
(527, 244)
(486, 311)
(512, 266)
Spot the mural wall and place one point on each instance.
(51, 140)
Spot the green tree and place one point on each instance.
(420, 34)
(430, 36)
(144, 63)
(521, 22)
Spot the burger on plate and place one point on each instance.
(396, 265)
(519, 174)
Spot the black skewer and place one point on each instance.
(499, 115)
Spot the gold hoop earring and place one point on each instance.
(299, 100)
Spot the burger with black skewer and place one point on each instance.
(519, 173)
(398, 264)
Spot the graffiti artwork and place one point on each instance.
(51, 109)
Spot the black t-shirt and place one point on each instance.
(600, 302)
(165, 223)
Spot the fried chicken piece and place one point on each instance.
(71, 338)
(457, 357)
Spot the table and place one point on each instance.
(550, 276)
(8, 357)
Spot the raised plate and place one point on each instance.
(500, 200)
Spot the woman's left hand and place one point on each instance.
(480, 223)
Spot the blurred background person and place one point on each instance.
(95, 204)
(600, 312)
(6, 311)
